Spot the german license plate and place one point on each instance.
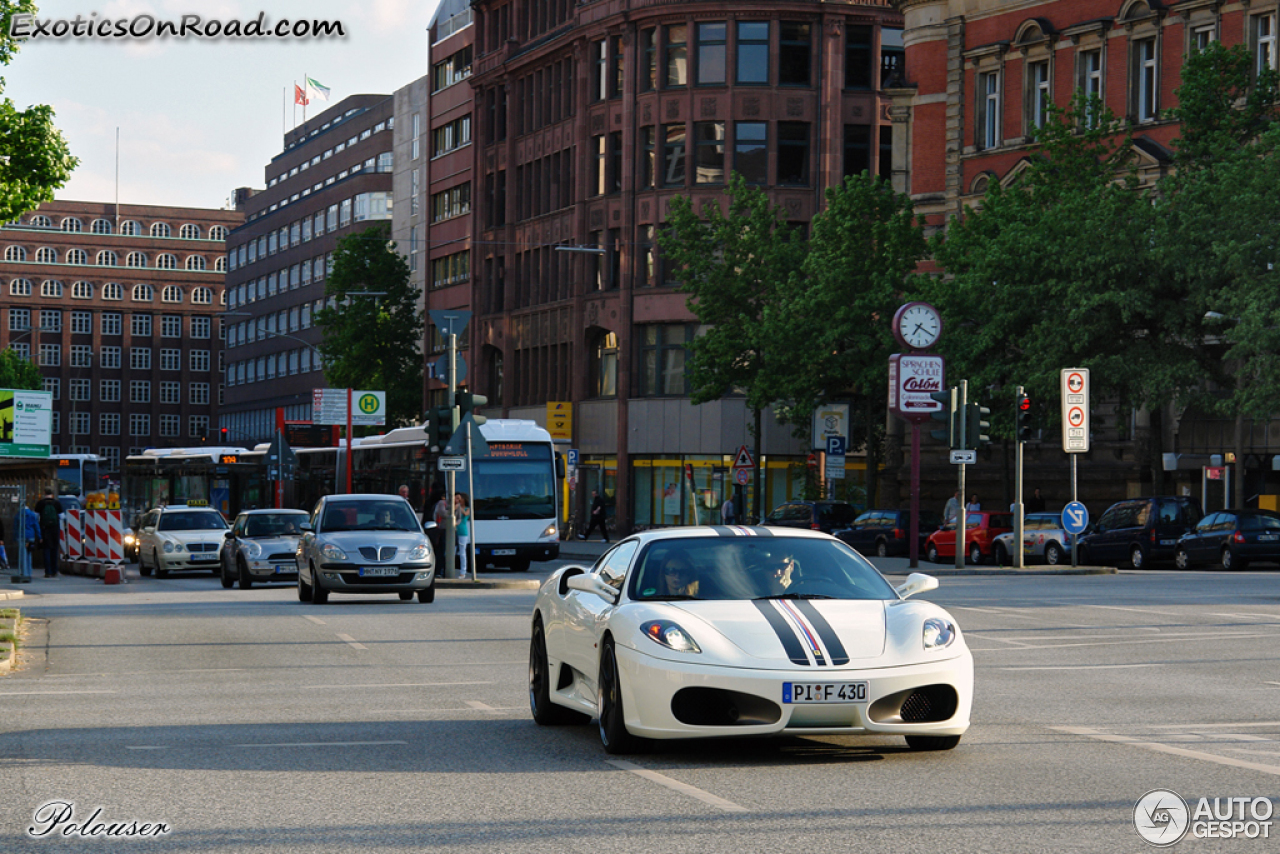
(824, 692)
(1266, 538)
(197, 558)
(284, 567)
(504, 552)
(378, 571)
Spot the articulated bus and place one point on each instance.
(514, 516)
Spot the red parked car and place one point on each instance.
(980, 534)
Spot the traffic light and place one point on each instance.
(948, 414)
(1025, 426)
(223, 434)
(467, 403)
(976, 426)
(439, 427)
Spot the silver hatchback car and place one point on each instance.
(364, 544)
(262, 545)
(1043, 538)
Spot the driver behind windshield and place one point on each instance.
(679, 578)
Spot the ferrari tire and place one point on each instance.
(613, 725)
(1053, 554)
(545, 712)
(932, 553)
(932, 742)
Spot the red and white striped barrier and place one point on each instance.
(71, 532)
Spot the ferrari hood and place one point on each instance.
(800, 632)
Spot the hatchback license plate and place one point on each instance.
(378, 571)
(284, 567)
(504, 552)
(204, 558)
(824, 692)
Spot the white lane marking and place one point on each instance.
(1157, 747)
(482, 707)
(145, 672)
(1254, 752)
(322, 744)
(85, 691)
(1271, 683)
(316, 620)
(1087, 666)
(1166, 639)
(1235, 736)
(677, 786)
(397, 685)
(1135, 610)
(146, 747)
(1249, 616)
(1207, 726)
(998, 640)
(350, 641)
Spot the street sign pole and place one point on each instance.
(471, 488)
(913, 548)
(1018, 517)
(961, 406)
(450, 529)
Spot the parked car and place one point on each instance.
(365, 544)
(888, 532)
(699, 633)
(1233, 538)
(981, 529)
(1140, 530)
(180, 538)
(825, 516)
(1043, 538)
(262, 545)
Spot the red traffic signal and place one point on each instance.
(1026, 427)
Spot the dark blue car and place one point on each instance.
(1232, 538)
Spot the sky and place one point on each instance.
(199, 117)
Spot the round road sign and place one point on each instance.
(742, 476)
(1075, 416)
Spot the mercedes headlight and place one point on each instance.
(170, 547)
(331, 552)
(418, 553)
(938, 634)
(251, 549)
(670, 635)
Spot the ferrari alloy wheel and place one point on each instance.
(545, 712)
(1181, 559)
(975, 554)
(932, 742)
(613, 726)
(1137, 558)
(1053, 554)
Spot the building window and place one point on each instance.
(793, 153)
(72, 224)
(20, 288)
(600, 75)
(81, 356)
(708, 152)
(77, 256)
(1202, 37)
(196, 262)
(46, 255)
(101, 226)
(140, 391)
(53, 386)
(107, 258)
(140, 326)
(677, 55)
(199, 394)
(988, 109)
(1145, 80)
(135, 259)
(200, 296)
(160, 229)
(79, 423)
(82, 322)
(110, 357)
(198, 426)
(1041, 95)
(51, 289)
(171, 326)
(109, 424)
(166, 261)
(50, 355)
(200, 361)
(857, 149)
(50, 320)
(139, 425)
(82, 290)
(200, 327)
(858, 55)
(892, 56)
(673, 152)
(15, 253)
(648, 155)
(109, 391)
(449, 270)
(450, 203)
(143, 293)
(80, 390)
(1264, 41)
(648, 60)
(752, 57)
(112, 323)
(112, 291)
(170, 391)
(662, 359)
(170, 425)
(129, 228)
(170, 359)
(189, 231)
(139, 358)
(712, 39)
(19, 319)
(795, 49)
(604, 380)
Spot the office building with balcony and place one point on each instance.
(334, 177)
(118, 304)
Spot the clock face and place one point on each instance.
(918, 325)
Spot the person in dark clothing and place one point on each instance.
(49, 509)
(435, 512)
(1035, 504)
(597, 517)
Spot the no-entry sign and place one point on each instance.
(1075, 410)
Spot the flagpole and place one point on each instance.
(284, 112)
(305, 98)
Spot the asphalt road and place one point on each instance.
(246, 721)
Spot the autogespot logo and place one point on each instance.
(1161, 817)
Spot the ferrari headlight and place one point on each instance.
(331, 552)
(938, 634)
(419, 553)
(670, 635)
(252, 549)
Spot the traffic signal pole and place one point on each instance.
(961, 408)
(450, 528)
(1018, 515)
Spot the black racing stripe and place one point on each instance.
(829, 638)
(790, 643)
(722, 531)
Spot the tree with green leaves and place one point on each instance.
(34, 158)
(17, 372)
(834, 319)
(735, 265)
(373, 332)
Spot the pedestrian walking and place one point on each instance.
(49, 509)
(438, 511)
(727, 511)
(597, 517)
(952, 510)
(462, 522)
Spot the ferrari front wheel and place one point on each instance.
(932, 742)
(545, 712)
(613, 726)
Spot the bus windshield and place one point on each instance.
(517, 481)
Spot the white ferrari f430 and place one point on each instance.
(736, 631)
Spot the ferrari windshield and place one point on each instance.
(736, 568)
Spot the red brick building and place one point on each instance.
(118, 305)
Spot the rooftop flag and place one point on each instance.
(314, 89)
(299, 96)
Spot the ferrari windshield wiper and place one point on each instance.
(796, 596)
